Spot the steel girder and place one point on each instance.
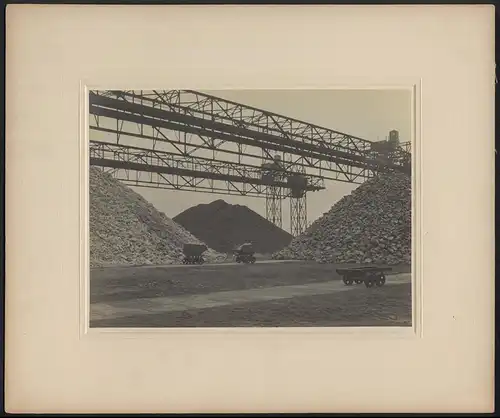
(140, 166)
(215, 123)
(216, 120)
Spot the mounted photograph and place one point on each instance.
(250, 208)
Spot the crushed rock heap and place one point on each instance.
(223, 226)
(371, 225)
(125, 229)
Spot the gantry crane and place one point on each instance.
(188, 140)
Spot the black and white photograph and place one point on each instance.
(216, 210)
(250, 208)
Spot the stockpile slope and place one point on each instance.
(223, 226)
(371, 225)
(125, 229)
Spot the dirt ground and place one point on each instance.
(385, 306)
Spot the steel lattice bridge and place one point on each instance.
(188, 140)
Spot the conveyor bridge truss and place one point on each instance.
(188, 140)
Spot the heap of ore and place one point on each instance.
(371, 225)
(224, 226)
(125, 229)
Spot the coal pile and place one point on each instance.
(224, 226)
(125, 229)
(371, 225)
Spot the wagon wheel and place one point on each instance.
(252, 260)
(347, 281)
(380, 280)
(358, 281)
(369, 282)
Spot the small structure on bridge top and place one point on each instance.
(394, 137)
(385, 150)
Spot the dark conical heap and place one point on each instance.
(223, 226)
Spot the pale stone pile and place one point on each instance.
(371, 225)
(125, 229)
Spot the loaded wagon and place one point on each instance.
(193, 253)
(245, 254)
(369, 275)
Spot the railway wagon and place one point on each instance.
(193, 253)
(369, 275)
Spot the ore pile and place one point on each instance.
(125, 229)
(223, 226)
(371, 225)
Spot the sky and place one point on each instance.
(368, 114)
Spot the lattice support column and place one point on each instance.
(298, 215)
(273, 206)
